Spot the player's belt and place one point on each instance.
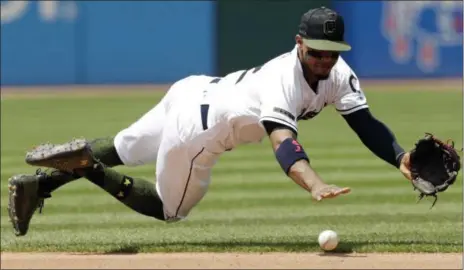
(204, 115)
(205, 108)
(215, 80)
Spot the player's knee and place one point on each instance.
(132, 147)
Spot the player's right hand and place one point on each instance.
(324, 191)
(405, 166)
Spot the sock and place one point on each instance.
(138, 194)
(55, 179)
(102, 148)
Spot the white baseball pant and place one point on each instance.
(171, 134)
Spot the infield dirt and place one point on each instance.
(231, 261)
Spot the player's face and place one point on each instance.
(319, 63)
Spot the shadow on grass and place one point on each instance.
(226, 247)
(343, 250)
(125, 249)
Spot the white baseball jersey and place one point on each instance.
(173, 132)
(277, 91)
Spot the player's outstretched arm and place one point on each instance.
(376, 136)
(295, 163)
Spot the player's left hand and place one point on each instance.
(325, 191)
(405, 166)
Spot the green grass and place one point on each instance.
(251, 205)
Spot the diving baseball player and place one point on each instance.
(201, 117)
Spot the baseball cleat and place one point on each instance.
(75, 154)
(24, 198)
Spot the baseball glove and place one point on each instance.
(434, 166)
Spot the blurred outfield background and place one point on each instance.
(101, 42)
(408, 56)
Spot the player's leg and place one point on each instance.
(28, 191)
(26, 194)
(173, 163)
(137, 144)
(103, 149)
(136, 193)
(183, 169)
(183, 178)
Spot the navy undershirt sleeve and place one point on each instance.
(376, 136)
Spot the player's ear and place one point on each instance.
(298, 40)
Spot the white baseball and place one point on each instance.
(328, 240)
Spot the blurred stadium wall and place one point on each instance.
(156, 42)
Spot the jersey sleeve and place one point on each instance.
(349, 96)
(279, 104)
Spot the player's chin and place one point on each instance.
(322, 71)
(322, 75)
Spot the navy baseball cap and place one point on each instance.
(323, 29)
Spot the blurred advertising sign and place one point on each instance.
(47, 11)
(94, 42)
(404, 39)
(431, 25)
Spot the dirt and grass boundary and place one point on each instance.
(232, 261)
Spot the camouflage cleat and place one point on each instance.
(75, 154)
(24, 198)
